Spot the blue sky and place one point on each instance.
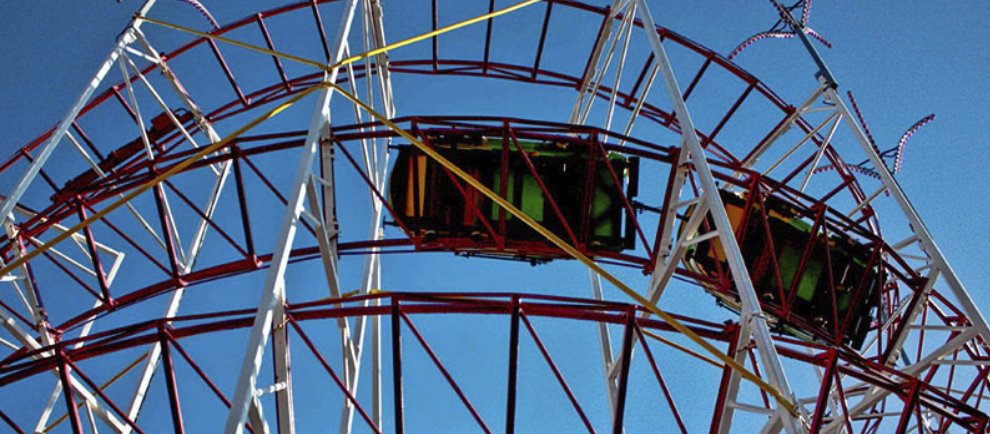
(903, 60)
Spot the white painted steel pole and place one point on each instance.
(46, 151)
(752, 313)
(274, 289)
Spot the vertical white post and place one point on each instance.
(283, 373)
(376, 170)
(273, 292)
(593, 71)
(605, 343)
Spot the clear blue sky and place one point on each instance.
(903, 60)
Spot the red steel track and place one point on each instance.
(237, 251)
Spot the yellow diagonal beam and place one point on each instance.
(569, 249)
(349, 60)
(683, 349)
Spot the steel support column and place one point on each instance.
(751, 311)
(605, 343)
(273, 292)
(510, 400)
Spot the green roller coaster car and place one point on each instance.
(812, 284)
(433, 206)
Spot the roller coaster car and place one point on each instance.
(828, 285)
(438, 212)
(161, 125)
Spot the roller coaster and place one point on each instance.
(678, 247)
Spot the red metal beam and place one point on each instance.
(170, 382)
(624, 361)
(446, 374)
(557, 374)
(663, 384)
(510, 400)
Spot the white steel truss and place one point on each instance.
(969, 336)
(312, 198)
(273, 293)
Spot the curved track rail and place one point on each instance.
(924, 364)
